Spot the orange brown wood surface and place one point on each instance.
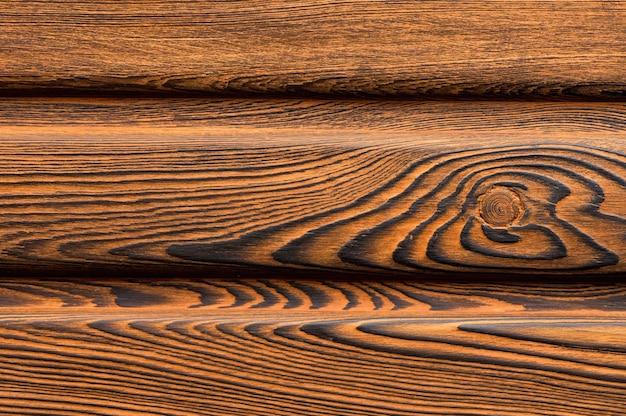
(330, 186)
(312, 208)
(280, 347)
(448, 48)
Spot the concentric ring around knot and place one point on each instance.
(500, 206)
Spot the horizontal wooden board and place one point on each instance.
(449, 48)
(283, 296)
(333, 186)
(181, 347)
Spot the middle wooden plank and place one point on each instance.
(343, 186)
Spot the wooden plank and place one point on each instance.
(181, 347)
(335, 186)
(357, 48)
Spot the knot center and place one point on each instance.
(500, 206)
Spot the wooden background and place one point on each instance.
(312, 208)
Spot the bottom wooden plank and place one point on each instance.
(276, 347)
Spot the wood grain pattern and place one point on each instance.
(381, 201)
(513, 49)
(414, 188)
(182, 347)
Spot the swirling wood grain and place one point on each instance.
(258, 347)
(204, 186)
(557, 218)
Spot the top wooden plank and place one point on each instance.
(528, 49)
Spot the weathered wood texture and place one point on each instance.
(183, 347)
(355, 186)
(363, 48)
(383, 200)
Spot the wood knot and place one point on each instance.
(500, 206)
